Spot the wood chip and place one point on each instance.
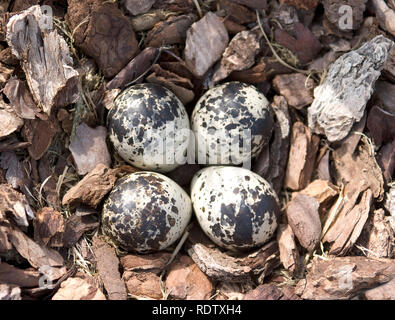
(171, 31)
(181, 87)
(136, 7)
(39, 133)
(380, 125)
(304, 219)
(360, 168)
(386, 161)
(239, 55)
(92, 188)
(253, 4)
(322, 190)
(49, 227)
(348, 226)
(302, 154)
(296, 88)
(15, 204)
(103, 33)
(21, 99)
(206, 41)
(14, 172)
(10, 122)
(257, 74)
(143, 284)
(9, 292)
(89, 148)
(335, 15)
(279, 148)
(383, 292)
(385, 16)
(386, 92)
(49, 73)
(185, 281)
(270, 291)
(78, 289)
(289, 253)
(18, 277)
(237, 12)
(108, 267)
(377, 236)
(82, 221)
(389, 66)
(302, 4)
(222, 267)
(304, 45)
(336, 107)
(48, 182)
(48, 261)
(182, 6)
(344, 277)
(154, 262)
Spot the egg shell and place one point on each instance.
(221, 115)
(142, 117)
(235, 207)
(146, 211)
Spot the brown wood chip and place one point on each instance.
(108, 267)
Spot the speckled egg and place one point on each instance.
(235, 207)
(146, 211)
(231, 122)
(144, 120)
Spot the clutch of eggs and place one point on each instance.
(146, 211)
(235, 207)
(231, 123)
(144, 119)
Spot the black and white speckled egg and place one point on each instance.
(235, 207)
(146, 211)
(142, 116)
(220, 117)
